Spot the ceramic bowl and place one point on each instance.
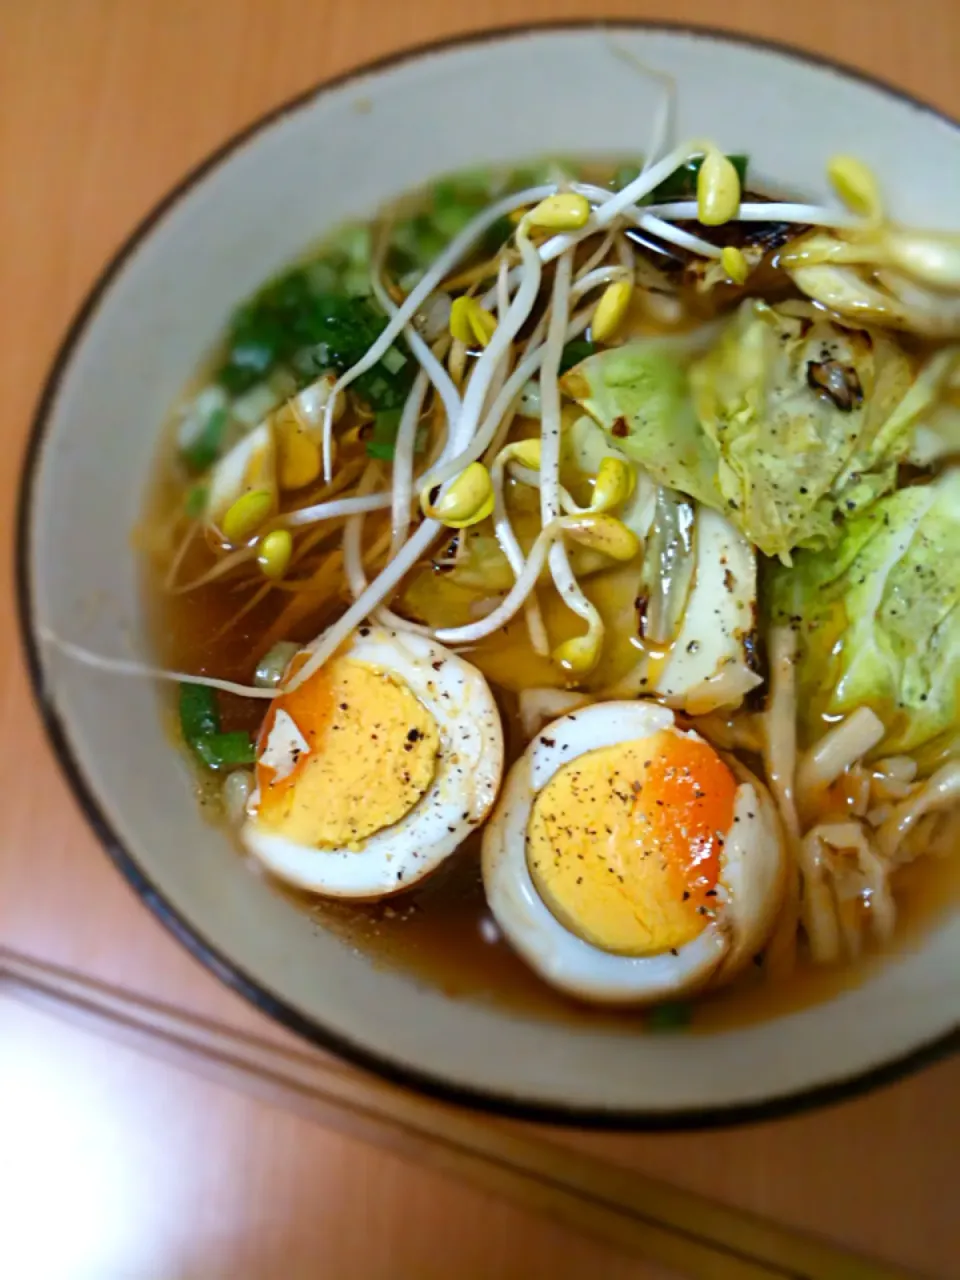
(338, 153)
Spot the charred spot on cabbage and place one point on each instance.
(839, 382)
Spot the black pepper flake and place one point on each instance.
(686, 894)
(414, 735)
(711, 893)
(549, 742)
(364, 631)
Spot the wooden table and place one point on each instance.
(156, 1126)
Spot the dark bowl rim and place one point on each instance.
(229, 972)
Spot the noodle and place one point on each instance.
(902, 768)
(840, 894)
(780, 759)
(817, 907)
(780, 726)
(940, 792)
(838, 749)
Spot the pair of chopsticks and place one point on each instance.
(641, 1216)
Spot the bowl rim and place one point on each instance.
(233, 974)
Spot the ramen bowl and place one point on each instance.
(341, 152)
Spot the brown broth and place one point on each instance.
(442, 932)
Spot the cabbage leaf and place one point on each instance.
(878, 620)
(786, 424)
(639, 394)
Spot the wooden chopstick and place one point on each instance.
(637, 1214)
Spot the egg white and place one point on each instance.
(749, 887)
(463, 790)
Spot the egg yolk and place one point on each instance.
(624, 843)
(371, 754)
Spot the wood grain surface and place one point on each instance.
(103, 105)
(127, 1168)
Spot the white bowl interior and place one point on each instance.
(341, 155)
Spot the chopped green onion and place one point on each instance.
(682, 183)
(393, 360)
(471, 187)
(252, 407)
(376, 389)
(322, 276)
(353, 242)
(249, 361)
(520, 179)
(309, 362)
(670, 1016)
(200, 726)
(456, 201)
(204, 449)
(225, 750)
(574, 352)
(283, 382)
(383, 438)
(196, 502)
(417, 242)
(289, 324)
(199, 713)
(535, 175)
(496, 236)
(452, 220)
(382, 452)
(626, 173)
(357, 283)
(410, 279)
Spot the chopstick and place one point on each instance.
(640, 1215)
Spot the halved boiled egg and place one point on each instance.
(627, 862)
(375, 769)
